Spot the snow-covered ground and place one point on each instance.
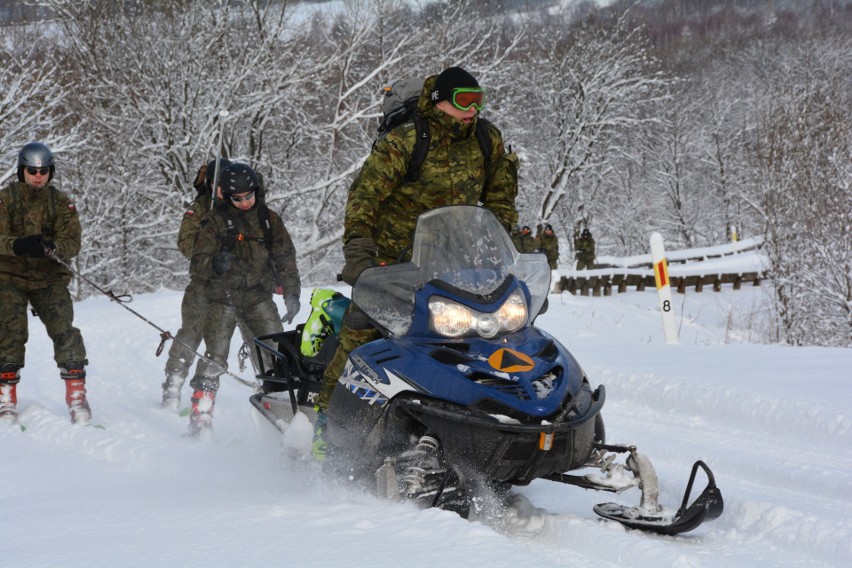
(772, 421)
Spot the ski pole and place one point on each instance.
(164, 335)
(223, 114)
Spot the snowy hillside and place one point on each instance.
(773, 422)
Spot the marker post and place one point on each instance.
(664, 289)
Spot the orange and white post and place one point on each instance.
(664, 289)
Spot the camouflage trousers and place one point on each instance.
(355, 331)
(260, 318)
(193, 314)
(53, 305)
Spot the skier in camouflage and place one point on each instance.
(194, 306)
(38, 221)
(383, 206)
(243, 254)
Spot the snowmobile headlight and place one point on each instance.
(513, 312)
(451, 319)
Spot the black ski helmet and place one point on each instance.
(35, 155)
(211, 169)
(238, 178)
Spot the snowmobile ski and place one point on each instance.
(706, 507)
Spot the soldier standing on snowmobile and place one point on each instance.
(38, 221)
(193, 307)
(243, 254)
(383, 205)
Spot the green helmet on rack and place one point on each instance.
(327, 309)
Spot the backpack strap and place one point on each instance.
(484, 138)
(421, 148)
(235, 235)
(13, 201)
(52, 198)
(266, 224)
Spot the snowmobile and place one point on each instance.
(462, 394)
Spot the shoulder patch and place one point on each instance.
(189, 212)
(72, 207)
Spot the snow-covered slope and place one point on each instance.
(773, 422)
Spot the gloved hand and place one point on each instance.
(293, 306)
(359, 253)
(222, 262)
(33, 246)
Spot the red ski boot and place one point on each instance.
(201, 417)
(9, 377)
(74, 375)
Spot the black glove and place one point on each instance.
(222, 262)
(293, 306)
(359, 253)
(33, 246)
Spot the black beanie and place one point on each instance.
(449, 79)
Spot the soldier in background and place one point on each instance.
(584, 250)
(383, 205)
(193, 307)
(528, 243)
(37, 221)
(515, 234)
(549, 245)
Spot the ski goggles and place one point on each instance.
(38, 171)
(247, 197)
(465, 98)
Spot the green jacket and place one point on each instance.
(584, 250)
(47, 211)
(528, 243)
(190, 224)
(550, 247)
(384, 207)
(256, 270)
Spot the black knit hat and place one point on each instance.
(449, 79)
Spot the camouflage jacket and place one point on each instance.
(384, 207)
(528, 243)
(256, 270)
(584, 249)
(190, 224)
(550, 247)
(47, 211)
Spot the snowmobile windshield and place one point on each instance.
(465, 247)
